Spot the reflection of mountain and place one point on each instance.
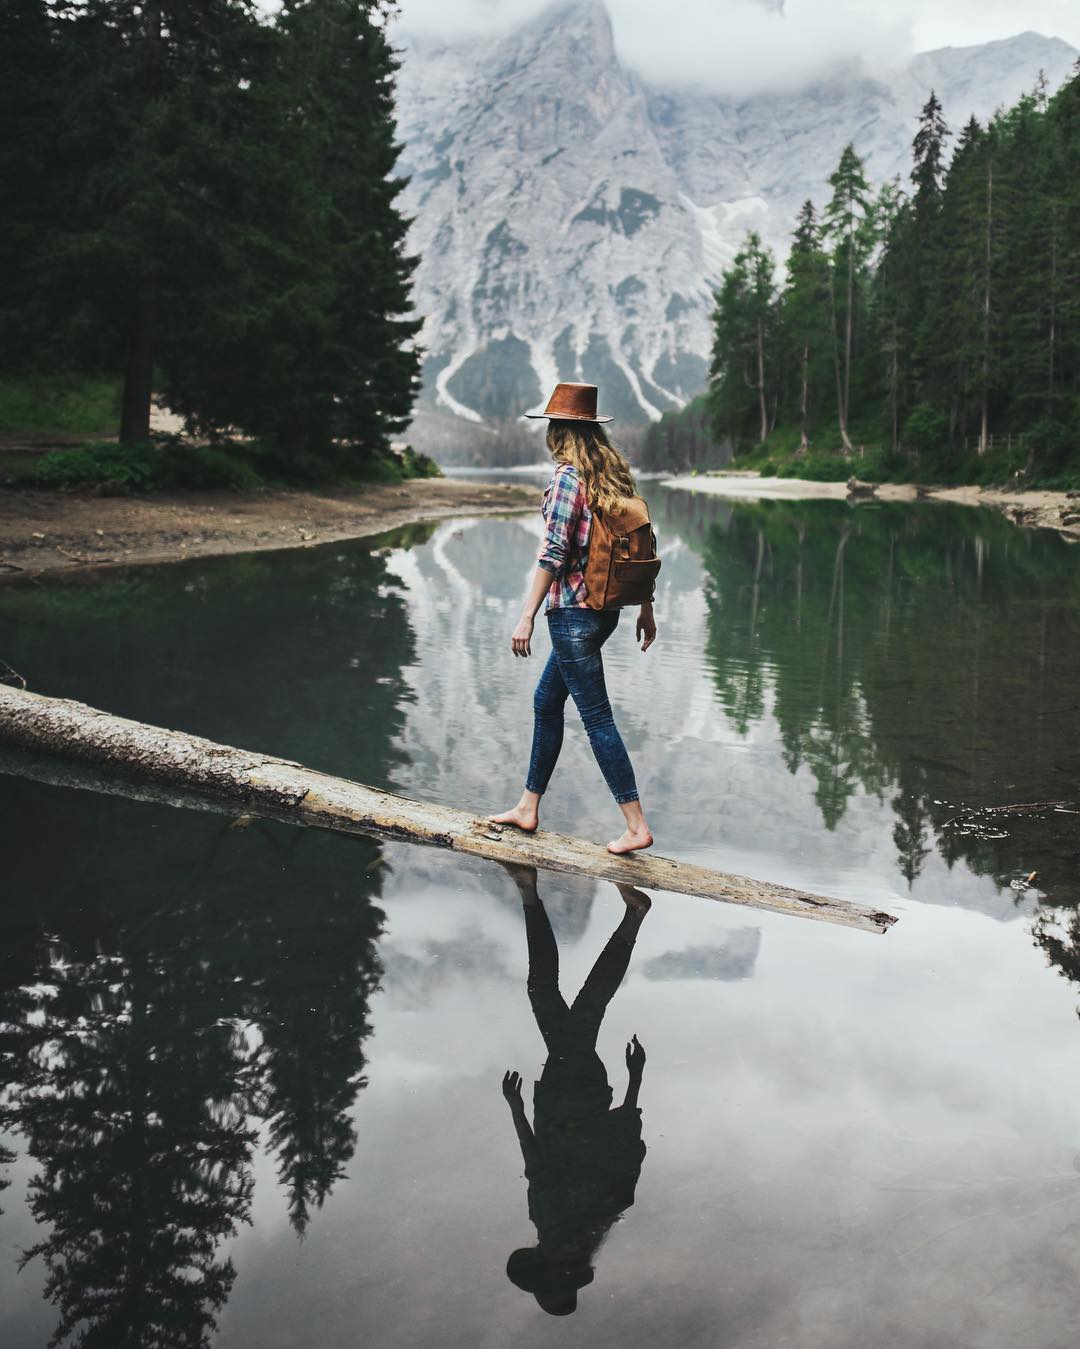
(916, 653)
(842, 649)
(732, 961)
(469, 720)
(415, 980)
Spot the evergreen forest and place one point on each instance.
(200, 203)
(925, 330)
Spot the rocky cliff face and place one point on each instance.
(571, 220)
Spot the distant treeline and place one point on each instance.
(685, 440)
(936, 327)
(199, 202)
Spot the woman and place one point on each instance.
(590, 473)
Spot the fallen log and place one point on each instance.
(857, 489)
(61, 741)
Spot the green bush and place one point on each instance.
(926, 429)
(165, 464)
(168, 463)
(817, 467)
(1051, 445)
(419, 465)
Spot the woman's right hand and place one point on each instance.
(646, 627)
(521, 641)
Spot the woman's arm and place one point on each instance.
(561, 509)
(511, 1089)
(646, 626)
(520, 642)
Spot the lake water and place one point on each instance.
(253, 1077)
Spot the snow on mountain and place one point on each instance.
(571, 220)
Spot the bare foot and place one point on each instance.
(631, 841)
(635, 899)
(521, 817)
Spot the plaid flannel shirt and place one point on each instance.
(565, 549)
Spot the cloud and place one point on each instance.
(450, 20)
(739, 47)
(960, 23)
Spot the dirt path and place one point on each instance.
(1040, 510)
(51, 531)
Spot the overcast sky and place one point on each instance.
(737, 46)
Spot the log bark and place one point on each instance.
(57, 740)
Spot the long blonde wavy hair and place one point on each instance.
(603, 470)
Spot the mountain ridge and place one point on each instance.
(571, 218)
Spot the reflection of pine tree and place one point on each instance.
(6, 1158)
(310, 967)
(238, 989)
(135, 1072)
(922, 654)
(910, 833)
(1060, 941)
(131, 1106)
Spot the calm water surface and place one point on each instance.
(254, 1077)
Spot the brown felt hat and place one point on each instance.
(571, 403)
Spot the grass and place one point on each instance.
(70, 405)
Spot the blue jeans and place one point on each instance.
(575, 668)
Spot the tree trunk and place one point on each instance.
(841, 413)
(804, 391)
(142, 331)
(761, 381)
(139, 374)
(849, 318)
(95, 750)
(1052, 342)
(984, 420)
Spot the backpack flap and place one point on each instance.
(623, 565)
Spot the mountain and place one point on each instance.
(571, 219)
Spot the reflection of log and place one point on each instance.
(104, 752)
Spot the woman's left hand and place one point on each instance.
(521, 642)
(646, 627)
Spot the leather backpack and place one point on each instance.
(622, 564)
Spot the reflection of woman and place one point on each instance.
(582, 1158)
(590, 473)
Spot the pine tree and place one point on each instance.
(892, 213)
(323, 361)
(745, 319)
(33, 80)
(848, 224)
(805, 309)
(153, 100)
(929, 155)
(923, 244)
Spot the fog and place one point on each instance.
(738, 47)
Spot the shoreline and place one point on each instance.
(1033, 509)
(53, 532)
